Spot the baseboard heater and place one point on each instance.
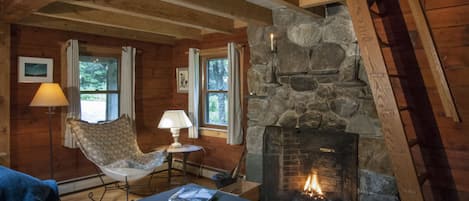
(92, 181)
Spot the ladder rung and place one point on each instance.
(371, 2)
(403, 108)
(383, 44)
(398, 76)
(375, 14)
(412, 142)
(422, 178)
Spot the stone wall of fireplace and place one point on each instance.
(319, 84)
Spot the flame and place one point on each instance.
(312, 185)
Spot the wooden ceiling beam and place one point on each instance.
(158, 10)
(105, 18)
(314, 3)
(15, 10)
(237, 10)
(290, 4)
(66, 25)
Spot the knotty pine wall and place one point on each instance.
(29, 130)
(445, 144)
(218, 154)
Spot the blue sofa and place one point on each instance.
(17, 186)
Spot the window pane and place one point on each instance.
(99, 107)
(217, 74)
(217, 109)
(98, 73)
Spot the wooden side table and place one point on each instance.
(185, 150)
(246, 189)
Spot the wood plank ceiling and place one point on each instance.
(159, 21)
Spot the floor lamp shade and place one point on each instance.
(49, 95)
(175, 120)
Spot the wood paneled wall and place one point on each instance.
(29, 131)
(217, 154)
(445, 147)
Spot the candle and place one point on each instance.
(272, 42)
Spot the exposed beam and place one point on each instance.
(314, 3)
(15, 10)
(158, 10)
(66, 25)
(5, 43)
(105, 18)
(277, 4)
(237, 10)
(433, 60)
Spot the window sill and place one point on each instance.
(213, 132)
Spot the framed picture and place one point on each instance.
(182, 78)
(33, 69)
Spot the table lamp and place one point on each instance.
(49, 95)
(175, 120)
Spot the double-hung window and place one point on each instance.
(215, 90)
(99, 87)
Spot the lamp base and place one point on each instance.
(175, 132)
(176, 145)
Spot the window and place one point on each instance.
(99, 88)
(215, 91)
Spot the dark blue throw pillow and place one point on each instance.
(17, 186)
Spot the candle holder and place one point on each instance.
(273, 66)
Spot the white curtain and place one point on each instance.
(73, 90)
(194, 77)
(127, 93)
(235, 129)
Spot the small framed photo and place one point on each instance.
(34, 69)
(182, 77)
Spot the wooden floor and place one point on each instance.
(158, 184)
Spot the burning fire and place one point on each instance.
(312, 187)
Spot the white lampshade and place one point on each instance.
(49, 95)
(174, 119)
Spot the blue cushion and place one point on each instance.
(17, 186)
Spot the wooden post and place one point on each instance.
(433, 60)
(386, 105)
(5, 94)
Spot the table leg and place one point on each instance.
(170, 166)
(184, 162)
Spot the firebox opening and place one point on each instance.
(310, 165)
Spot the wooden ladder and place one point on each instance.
(401, 140)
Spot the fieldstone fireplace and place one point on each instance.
(318, 116)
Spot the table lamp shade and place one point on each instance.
(174, 119)
(49, 95)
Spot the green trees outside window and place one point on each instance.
(99, 88)
(217, 91)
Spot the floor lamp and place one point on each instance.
(49, 95)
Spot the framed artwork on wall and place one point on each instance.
(34, 69)
(182, 79)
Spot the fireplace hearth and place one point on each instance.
(327, 158)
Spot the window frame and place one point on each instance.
(204, 58)
(97, 51)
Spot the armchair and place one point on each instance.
(113, 148)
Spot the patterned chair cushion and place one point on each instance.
(144, 162)
(106, 143)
